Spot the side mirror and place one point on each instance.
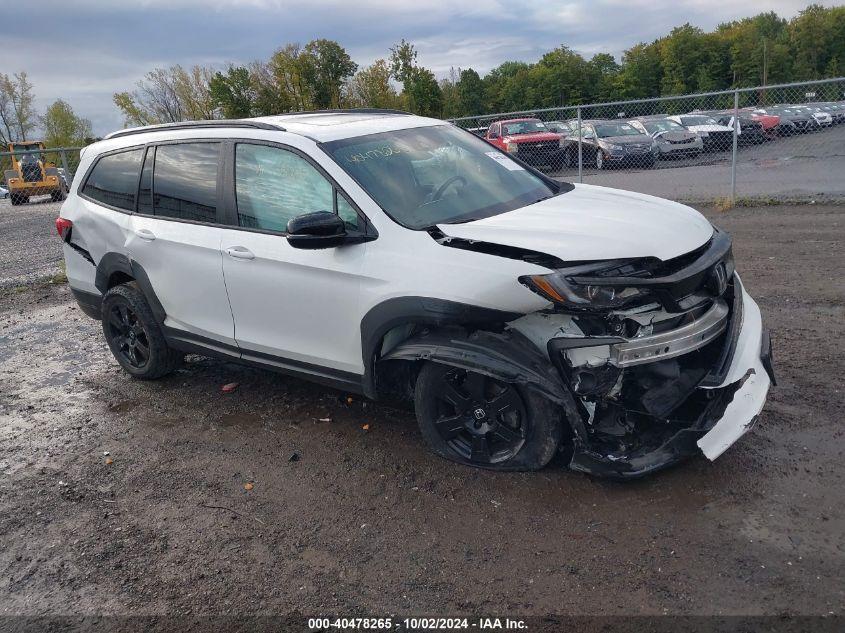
(493, 135)
(322, 229)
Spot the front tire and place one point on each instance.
(479, 421)
(600, 165)
(134, 336)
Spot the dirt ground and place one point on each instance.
(125, 497)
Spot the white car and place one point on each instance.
(4, 193)
(393, 255)
(671, 139)
(716, 137)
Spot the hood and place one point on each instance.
(532, 138)
(674, 135)
(710, 128)
(627, 139)
(594, 223)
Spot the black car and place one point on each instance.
(608, 143)
(749, 130)
(799, 122)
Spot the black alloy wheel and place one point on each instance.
(480, 421)
(127, 335)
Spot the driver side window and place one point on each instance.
(273, 185)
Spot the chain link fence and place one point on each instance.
(31, 172)
(769, 142)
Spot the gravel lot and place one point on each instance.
(123, 497)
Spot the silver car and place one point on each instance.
(671, 138)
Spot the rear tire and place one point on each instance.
(479, 421)
(134, 336)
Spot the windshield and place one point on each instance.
(606, 130)
(663, 125)
(523, 127)
(698, 120)
(437, 175)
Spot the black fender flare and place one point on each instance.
(112, 263)
(509, 357)
(427, 311)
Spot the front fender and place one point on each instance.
(509, 357)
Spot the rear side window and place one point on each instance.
(185, 181)
(114, 179)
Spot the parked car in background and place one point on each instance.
(791, 121)
(749, 130)
(671, 139)
(559, 127)
(528, 139)
(4, 193)
(605, 143)
(823, 118)
(716, 137)
(772, 124)
(400, 257)
(836, 112)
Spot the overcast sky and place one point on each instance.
(83, 51)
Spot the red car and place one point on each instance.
(528, 139)
(770, 122)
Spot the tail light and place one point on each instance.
(63, 228)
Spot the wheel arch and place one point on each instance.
(116, 268)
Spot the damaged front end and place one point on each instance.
(661, 358)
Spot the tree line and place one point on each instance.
(760, 50)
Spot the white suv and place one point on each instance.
(394, 255)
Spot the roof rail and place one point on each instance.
(190, 125)
(345, 111)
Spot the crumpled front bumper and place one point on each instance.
(752, 367)
(731, 411)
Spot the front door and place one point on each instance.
(293, 307)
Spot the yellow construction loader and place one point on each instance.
(32, 175)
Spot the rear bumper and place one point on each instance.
(90, 303)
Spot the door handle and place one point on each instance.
(145, 234)
(240, 252)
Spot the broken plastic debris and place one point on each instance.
(248, 486)
(366, 427)
(109, 460)
(294, 457)
(229, 387)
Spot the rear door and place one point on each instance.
(175, 235)
(295, 308)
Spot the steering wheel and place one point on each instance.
(442, 188)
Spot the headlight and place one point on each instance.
(511, 148)
(612, 147)
(561, 142)
(558, 290)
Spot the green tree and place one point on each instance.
(233, 93)
(370, 87)
(471, 93)
(62, 128)
(420, 90)
(326, 66)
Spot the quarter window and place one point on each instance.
(273, 185)
(114, 179)
(185, 181)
